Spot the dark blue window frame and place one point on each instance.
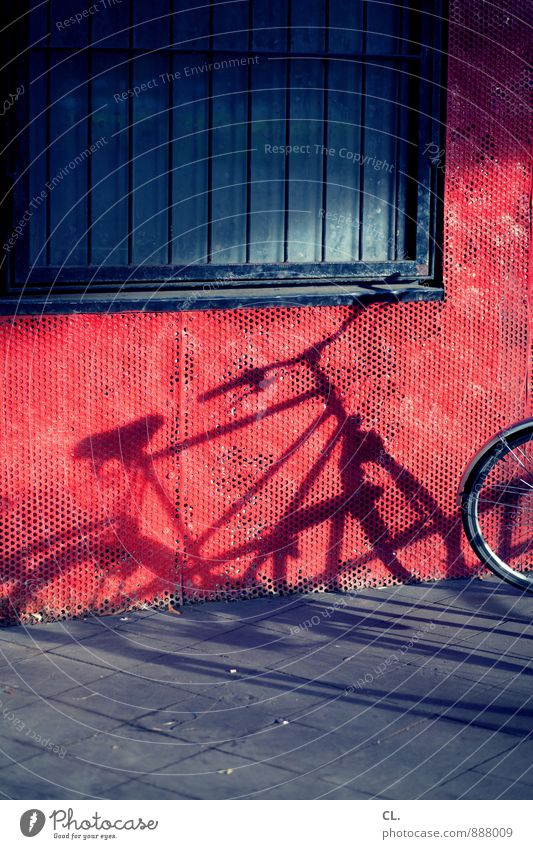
(406, 48)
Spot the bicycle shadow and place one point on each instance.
(358, 498)
(130, 545)
(110, 548)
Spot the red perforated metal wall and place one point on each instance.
(241, 452)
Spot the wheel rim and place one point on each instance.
(503, 510)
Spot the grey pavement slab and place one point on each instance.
(14, 651)
(111, 650)
(476, 785)
(417, 691)
(48, 674)
(413, 760)
(132, 693)
(26, 783)
(219, 775)
(61, 777)
(514, 763)
(41, 638)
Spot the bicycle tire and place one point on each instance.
(507, 448)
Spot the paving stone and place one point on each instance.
(132, 789)
(418, 593)
(505, 711)
(475, 785)
(17, 740)
(14, 696)
(12, 653)
(17, 783)
(285, 695)
(251, 645)
(413, 761)
(454, 623)
(216, 726)
(165, 723)
(351, 629)
(193, 670)
(327, 733)
(294, 747)
(92, 711)
(346, 792)
(286, 788)
(133, 691)
(60, 777)
(255, 609)
(514, 763)
(337, 667)
(298, 787)
(491, 599)
(446, 674)
(20, 746)
(47, 674)
(465, 661)
(47, 635)
(511, 642)
(118, 753)
(170, 632)
(58, 721)
(216, 775)
(113, 651)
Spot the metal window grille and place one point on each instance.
(244, 142)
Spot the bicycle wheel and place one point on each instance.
(497, 505)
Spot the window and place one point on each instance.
(243, 146)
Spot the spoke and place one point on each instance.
(507, 488)
(519, 448)
(503, 504)
(512, 451)
(504, 501)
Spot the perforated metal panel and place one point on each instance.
(203, 455)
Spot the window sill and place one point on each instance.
(209, 298)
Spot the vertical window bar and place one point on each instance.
(210, 141)
(89, 137)
(130, 136)
(392, 252)
(362, 130)
(425, 130)
(287, 135)
(325, 129)
(14, 167)
(48, 133)
(170, 162)
(249, 137)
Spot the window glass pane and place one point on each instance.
(150, 150)
(67, 177)
(189, 159)
(112, 28)
(340, 212)
(109, 173)
(267, 189)
(69, 27)
(379, 163)
(345, 23)
(152, 27)
(37, 148)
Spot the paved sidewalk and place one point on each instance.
(412, 692)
